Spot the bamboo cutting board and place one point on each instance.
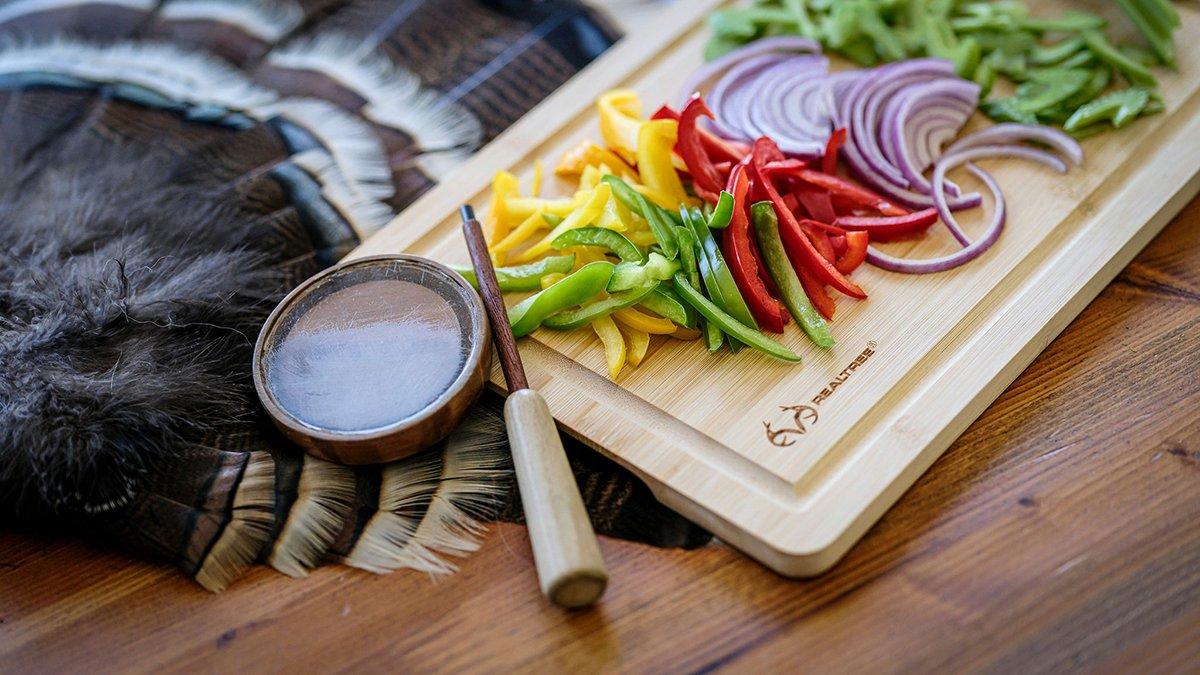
(792, 464)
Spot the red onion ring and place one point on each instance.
(971, 250)
(951, 160)
(1010, 132)
(731, 101)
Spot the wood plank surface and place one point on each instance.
(941, 347)
(1061, 532)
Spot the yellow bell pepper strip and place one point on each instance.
(620, 119)
(551, 279)
(586, 154)
(574, 289)
(766, 227)
(609, 240)
(505, 186)
(631, 318)
(614, 217)
(589, 178)
(522, 278)
(516, 237)
(629, 275)
(517, 209)
(643, 238)
(614, 345)
(655, 143)
(579, 317)
(628, 196)
(666, 304)
(536, 188)
(584, 215)
(730, 325)
(639, 343)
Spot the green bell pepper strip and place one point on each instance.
(1046, 89)
(691, 269)
(579, 317)
(574, 289)
(633, 200)
(730, 297)
(629, 275)
(1070, 22)
(712, 333)
(766, 226)
(1119, 108)
(605, 238)
(1049, 55)
(663, 302)
(722, 214)
(552, 220)
(729, 324)
(1133, 71)
(1156, 34)
(521, 278)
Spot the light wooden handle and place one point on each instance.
(569, 566)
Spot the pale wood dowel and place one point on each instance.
(570, 569)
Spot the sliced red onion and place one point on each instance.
(861, 112)
(731, 99)
(948, 100)
(713, 69)
(951, 160)
(1011, 132)
(971, 250)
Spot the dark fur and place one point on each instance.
(129, 303)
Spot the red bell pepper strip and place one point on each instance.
(800, 250)
(837, 187)
(855, 253)
(706, 180)
(816, 292)
(819, 239)
(889, 227)
(743, 263)
(829, 160)
(816, 203)
(839, 245)
(719, 149)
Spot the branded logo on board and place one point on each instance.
(804, 416)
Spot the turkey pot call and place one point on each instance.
(373, 360)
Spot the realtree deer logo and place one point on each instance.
(805, 416)
(785, 436)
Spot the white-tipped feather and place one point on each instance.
(353, 173)
(466, 484)
(267, 20)
(248, 529)
(16, 8)
(395, 97)
(351, 141)
(364, 214)
(324, 499)
(184, 76)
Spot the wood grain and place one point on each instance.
(570, 568)
(1061, 532)
(940, 347)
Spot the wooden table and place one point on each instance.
(1062, 531)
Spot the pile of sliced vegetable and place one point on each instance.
(725, 224)
(1062, 66)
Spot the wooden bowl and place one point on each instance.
(373, 360)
